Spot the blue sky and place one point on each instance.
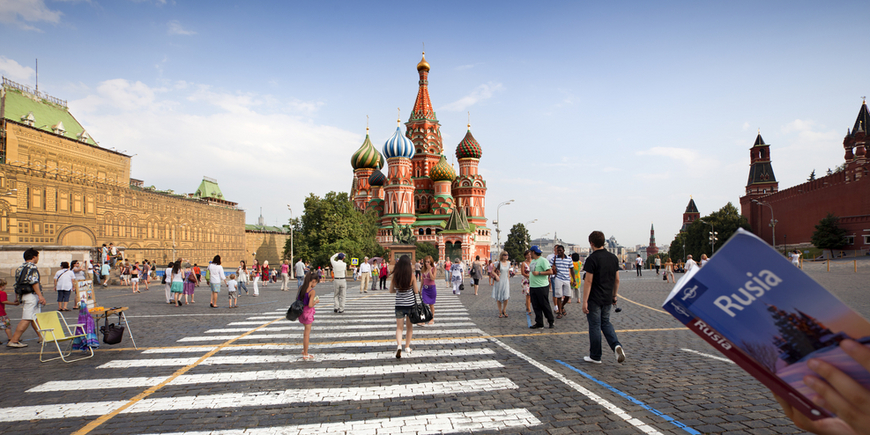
(590, 115)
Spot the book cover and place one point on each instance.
(769, 317)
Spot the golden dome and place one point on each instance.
(423, 65)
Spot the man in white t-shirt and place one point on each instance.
(658, 265)
(638, 264)
(339, 268)
(690, 264)
(365, 275)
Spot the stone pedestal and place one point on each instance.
(396, 251)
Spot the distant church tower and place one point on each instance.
(398, 188)
(857, 139)
(470, 188)
(761, 179)
(365, 161)
(690, 215)
(652, 249)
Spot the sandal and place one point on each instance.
(505, 314)
(308, 357)
(559, 316)
(500, 316)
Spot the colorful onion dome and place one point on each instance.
(377, 178)
(399, 146)
(468, 148)
(423, 65)
(442, 171)
(367, 157)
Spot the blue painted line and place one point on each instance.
(667, 418)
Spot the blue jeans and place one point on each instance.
(599, 321)
(299, 281)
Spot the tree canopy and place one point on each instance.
(424, 249)
(517, 242)
(331, 224)
(725, 222)
(828, 234)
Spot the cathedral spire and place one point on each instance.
(423, 106)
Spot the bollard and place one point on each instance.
(855, 263)
(829, 265)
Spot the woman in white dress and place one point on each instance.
(501, 290)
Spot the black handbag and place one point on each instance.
(420, 312)
(295, 310)
(112, 334)
(461, 286)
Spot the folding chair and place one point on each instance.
(53, 327)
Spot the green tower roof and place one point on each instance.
(209, 189)
(45, 114)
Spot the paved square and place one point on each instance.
(203, 370)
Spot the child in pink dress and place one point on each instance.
(309, 300)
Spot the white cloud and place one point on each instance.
(175, 28)
(254, 153)
(480, 93)
(15, 71)
(746, 126)
(21, 12)
(465, 67)
(695, 163)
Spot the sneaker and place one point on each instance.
(398, 353)
(408, 350)
(590, 360)
(335, 310)
(13, 344)
(552, 325)
(620, 354)
(340, 311)
(536, 327)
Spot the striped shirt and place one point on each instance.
(563, 266)
(405, 298)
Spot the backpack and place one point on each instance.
(208, 274)
(21, 288)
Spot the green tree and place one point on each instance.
(828, 234)
(725, 223)
(331, 224)
(517, 242)
(424, 249)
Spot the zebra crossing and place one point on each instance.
(253, 366)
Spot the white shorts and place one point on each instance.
(135, 280)
(561, 288)
(31, 306)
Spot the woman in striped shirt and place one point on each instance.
(404, 285)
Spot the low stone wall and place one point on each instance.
(50, 257)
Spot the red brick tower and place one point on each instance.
(652, 249)
(690, 215)
(469, 188)
(857, 140)
(399, 188)
(761, 179)
(425, 132)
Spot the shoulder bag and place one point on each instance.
(112, 334)
(420, 312)
(295, 310)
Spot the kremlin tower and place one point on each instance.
(652, 249)
(421, 189)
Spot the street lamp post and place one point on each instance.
(773, 221)
(497, 224)
(292, 268)
(528, 234)
(713, 237)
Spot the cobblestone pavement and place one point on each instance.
(204, 370)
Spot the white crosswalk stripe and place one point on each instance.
(296, 347)
(457, 422)
(263, 375)
(450, 318)
(263, 359)
(299, 327)
(422, 331)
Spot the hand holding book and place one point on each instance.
(841, 394)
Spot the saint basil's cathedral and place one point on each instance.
(421, 190)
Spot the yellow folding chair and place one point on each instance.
(54, 328)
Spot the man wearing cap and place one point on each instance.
(365, 275)
(339, 269)
(539, 288)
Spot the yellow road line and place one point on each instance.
(106, 417)
(637, 303)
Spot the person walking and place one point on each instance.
(146, 273)
(176, 280)
(456, 273)
(135, 271)
(167, 281)
(599, 293)
(215, 277)
(501, 291)
(404, 285)
(29, 293)
(299, 270)
(704, 260)
(285, 276)
(658, 264)
(242, 273)
(489, 267)
(447, 267)
(669, 271)
(339, 267)
(265, 275)
(383, 274)
(690, 264)
(539, 289)
(365, 275)
(428, 292)
(563, 280)
(638, 264)
(476, 273)
(525, 268)
(189, 284)
(309, 299)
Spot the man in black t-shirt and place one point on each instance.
(599, 293)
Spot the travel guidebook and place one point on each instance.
(769, 317)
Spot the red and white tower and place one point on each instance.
(365, 161)
(425, 132)
(399, 187)
(652, 249)
(469, 188)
